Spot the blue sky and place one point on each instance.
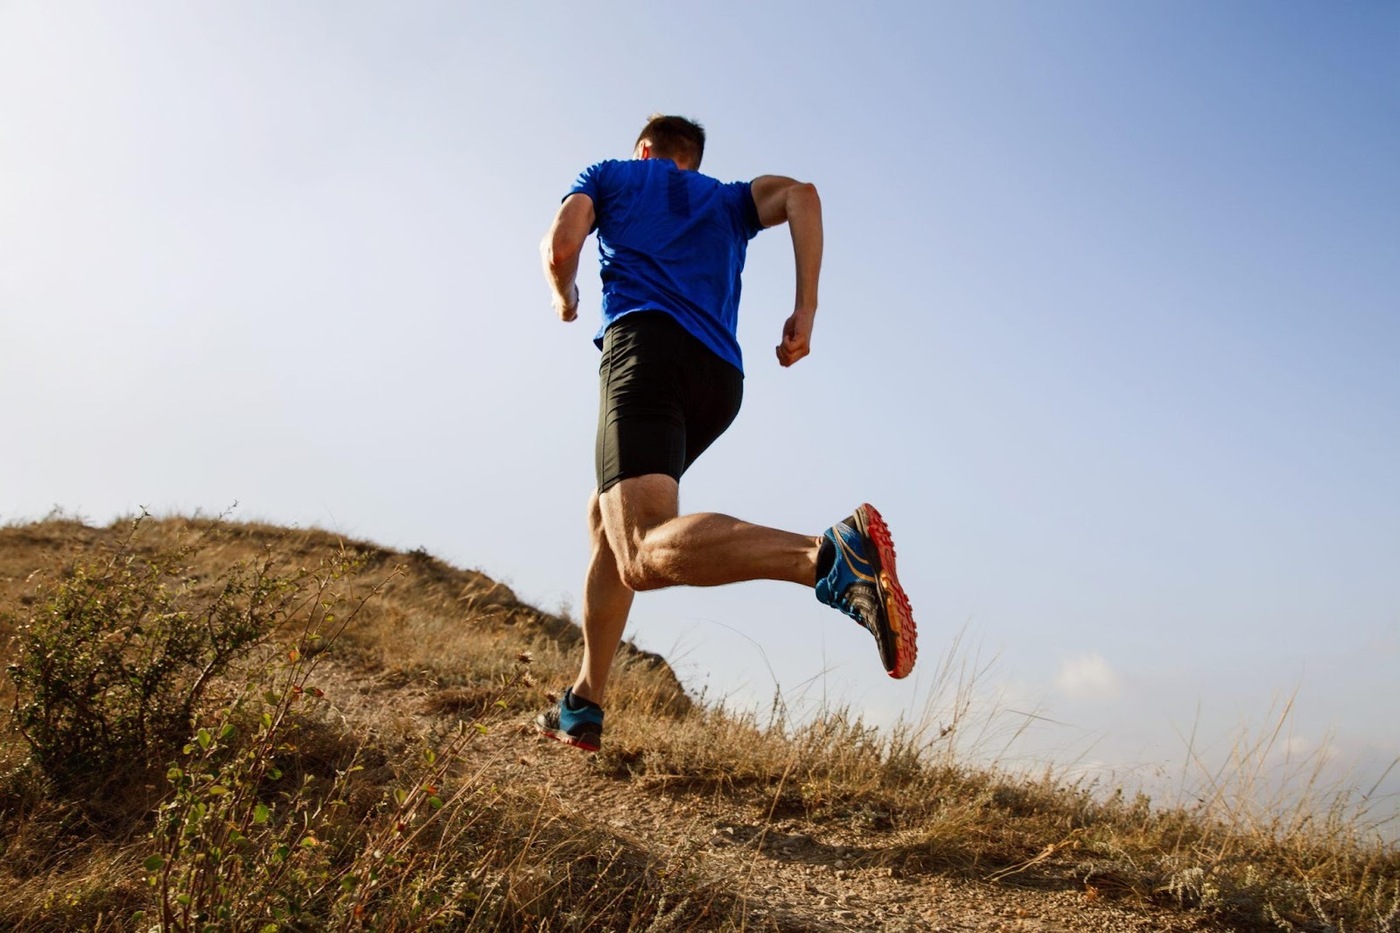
(1109, 326)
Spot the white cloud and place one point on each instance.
(1302, 748)
(1088, 677)
(1296, 746)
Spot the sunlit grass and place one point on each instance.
(359, 783)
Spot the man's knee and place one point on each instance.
(635, 566)
(638, 574)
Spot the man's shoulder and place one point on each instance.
(608, 175)
(597, 173)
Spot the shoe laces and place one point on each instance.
(860, 601)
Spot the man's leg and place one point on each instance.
(639, 542)
(660, 548)
(606, 603)
(656, 547)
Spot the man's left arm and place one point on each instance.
(782, 200)
(560, 249)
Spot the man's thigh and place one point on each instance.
(632, 507)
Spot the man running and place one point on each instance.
(672, 244)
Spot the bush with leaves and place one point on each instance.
(115, 660)
(242, 846)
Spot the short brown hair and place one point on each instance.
(674, 138)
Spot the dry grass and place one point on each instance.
(382, 796)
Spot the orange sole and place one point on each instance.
(566, 739)
(897, 608)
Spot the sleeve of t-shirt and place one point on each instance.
(745, 211)
(589, 181)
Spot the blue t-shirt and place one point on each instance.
(674, 241)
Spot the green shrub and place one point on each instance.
(114, 661)
(242, 846)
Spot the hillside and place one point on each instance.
(348, 748)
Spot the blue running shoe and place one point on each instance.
(581, 727)
(862, 583)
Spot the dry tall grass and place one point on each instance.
(359, 771)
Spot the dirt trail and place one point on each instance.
(793, 875)
(790, 874)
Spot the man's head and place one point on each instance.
(675, 138)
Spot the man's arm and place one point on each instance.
(560, 250)
(786, 200)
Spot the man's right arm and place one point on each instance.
(785, 200)
(560, 249)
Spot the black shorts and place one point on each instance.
(663, 398)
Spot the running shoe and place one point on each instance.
(862, 584)
(581, 727)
